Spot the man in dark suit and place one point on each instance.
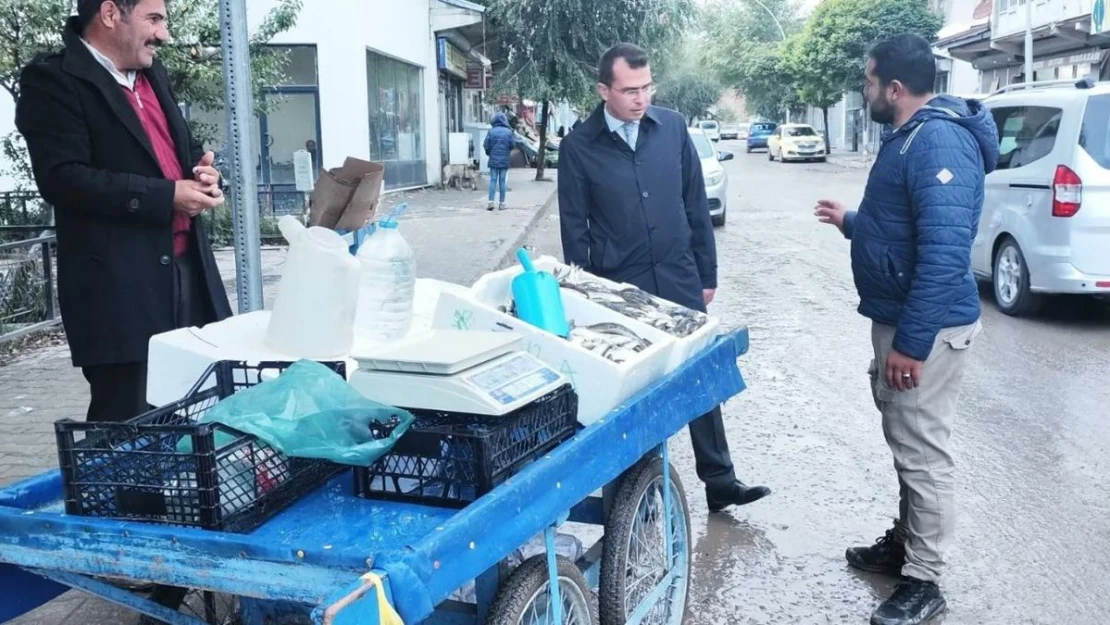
(112, 153)
(633, 209)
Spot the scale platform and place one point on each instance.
(455, 371)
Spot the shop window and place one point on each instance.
(396, 103)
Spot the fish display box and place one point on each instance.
(602, 360)
(691, 331)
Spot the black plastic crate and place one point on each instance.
(164, 467)
(452, 459)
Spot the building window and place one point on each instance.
(396, 120)
(291, 122)
(941, 84)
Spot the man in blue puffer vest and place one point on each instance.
(911, 260)
(499, 147)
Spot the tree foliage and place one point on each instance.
(746, 51)
(28, 27)
(550, 49)
(689, 93)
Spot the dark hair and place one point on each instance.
(907, 59)
(87, 10)
(632, 54)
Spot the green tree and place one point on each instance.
(28, 27)
(550, 49)
(689, 93)
(746, 50)
(833, 52)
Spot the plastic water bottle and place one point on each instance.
(387, 285)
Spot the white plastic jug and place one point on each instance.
(314, 314)
(387, 286)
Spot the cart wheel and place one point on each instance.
(524, 598)
(210, 607)
(634, 553)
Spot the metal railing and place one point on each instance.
(28, 286)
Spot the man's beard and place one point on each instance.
(882, 112)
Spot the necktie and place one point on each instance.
(627, 128)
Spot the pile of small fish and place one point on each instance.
(609, 340)
(631, 302)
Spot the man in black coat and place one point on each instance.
(633, 209)
(112, 153)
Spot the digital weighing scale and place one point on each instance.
(455, 371)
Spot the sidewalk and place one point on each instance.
(454, 237)
(852, 160)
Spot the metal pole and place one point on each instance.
(240, 144)
(1028, 41)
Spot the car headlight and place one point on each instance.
(714, 178)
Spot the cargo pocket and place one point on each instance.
(879, 392)
(962, 338)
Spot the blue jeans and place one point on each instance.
(497, 179)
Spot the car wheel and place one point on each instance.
(770, 154)
(1011, 281)
(719, 220)
(823, 159)
(749, 149)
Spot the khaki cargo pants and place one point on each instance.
(917, 425)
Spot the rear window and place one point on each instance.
(1026, 134)
(708, 125)
(768, 128)
(1095, 134)
(802, 131)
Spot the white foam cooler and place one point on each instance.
(494, 289)
(601, 384)
(177, 359)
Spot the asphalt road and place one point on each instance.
(1032, 440)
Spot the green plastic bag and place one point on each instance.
(310, 412)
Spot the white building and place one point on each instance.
(1069, 42)
(377, 80)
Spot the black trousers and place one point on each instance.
(118, 391)
(711, 456)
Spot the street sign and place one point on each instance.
(1098, 17)
(302, 171)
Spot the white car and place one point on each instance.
(716, 178)
(1045, 226)
(711, 129)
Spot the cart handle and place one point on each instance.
(386, 614)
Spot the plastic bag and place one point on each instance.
(310, 412)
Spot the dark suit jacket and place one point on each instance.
(638, 217)
(93, 162)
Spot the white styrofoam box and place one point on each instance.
(495, 290)
(177, 359)
(601, 384)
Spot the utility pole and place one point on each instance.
(1028, 41)
(240, 142)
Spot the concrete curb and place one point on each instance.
(506, 254)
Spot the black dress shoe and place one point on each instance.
(914, 602)
(886, 556)
(735, 494)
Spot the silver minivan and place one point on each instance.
(1045, 227)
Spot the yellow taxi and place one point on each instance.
(796, 142)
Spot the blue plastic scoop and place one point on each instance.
(538, 299)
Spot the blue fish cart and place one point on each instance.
(333, 558)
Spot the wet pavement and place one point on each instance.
(1031, 443)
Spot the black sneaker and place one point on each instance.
(735, 494)
(886, 556)
(914, 602)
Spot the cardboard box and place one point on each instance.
(347, 197)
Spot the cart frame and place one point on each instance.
(312, 556)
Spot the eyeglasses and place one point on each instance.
(646, 90)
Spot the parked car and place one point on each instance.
(730, 131)
(758, 134)
(796, 142)
(742, 131)
(711, 129)
(716, 178)
(1045, 227)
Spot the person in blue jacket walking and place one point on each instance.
(498, 146)
(911, 260)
